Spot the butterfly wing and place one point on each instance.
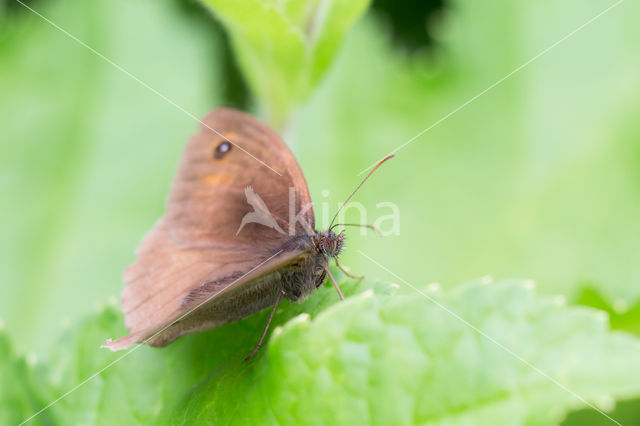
(194, 249)
(209, 196)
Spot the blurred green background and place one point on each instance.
(538, 178)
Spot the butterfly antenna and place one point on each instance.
(373, 228)
(388, 157)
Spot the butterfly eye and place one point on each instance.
(222, 150)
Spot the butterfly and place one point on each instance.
(238, 236)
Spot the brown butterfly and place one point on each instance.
(236, 237)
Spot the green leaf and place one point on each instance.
(22, 392)
(137, 386)
(284, 48)
(626, 413)
(377, 358)
(623, 316)
(405, 360)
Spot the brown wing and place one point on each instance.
(197, 243)
(208, 199)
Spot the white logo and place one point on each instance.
(385, 224)
(261, 213)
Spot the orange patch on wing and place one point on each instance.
(229, 136)
(216, 179)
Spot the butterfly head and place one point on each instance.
(329, 243)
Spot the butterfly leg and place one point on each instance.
(335, 284)
(355, 277)
(264, 332)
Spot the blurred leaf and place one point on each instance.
(284, 48)
(622, 316)
(626, 413)
(22, 391)
(538, 177)
(133, 392)
(411, 20)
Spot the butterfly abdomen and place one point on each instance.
(304, 277)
